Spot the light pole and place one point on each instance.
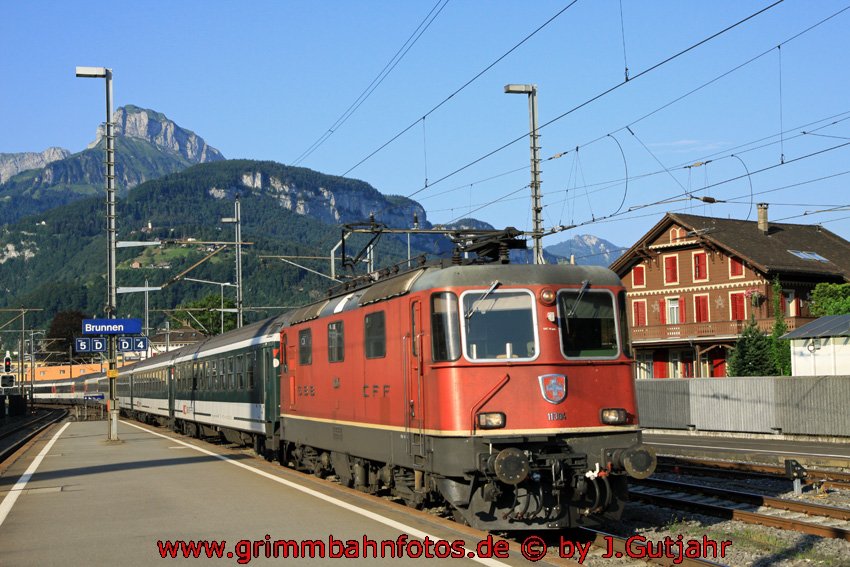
(112, 371)
(222, 294)
(236, 220)
(536, 206)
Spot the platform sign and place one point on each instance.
(98, 345)
(82, 345)
(132, 344)
(99, 396)
(112, 326)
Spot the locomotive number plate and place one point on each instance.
(556, 415)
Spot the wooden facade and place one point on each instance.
(691, 291)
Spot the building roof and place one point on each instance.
(829, 326)
(178, 336)
(785, 248)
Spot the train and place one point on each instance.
(503, 392)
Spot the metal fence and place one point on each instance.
(802, 405)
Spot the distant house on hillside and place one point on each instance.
(693, 282)
(173, 339)
(821, 348)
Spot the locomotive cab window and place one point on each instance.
(499, 324)
(445, 331)
(587, 323)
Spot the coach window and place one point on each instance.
(231, 376)
(445, 330)
(336, 343)
(376, 335)
(305, 347)
(222, 373)
(587, 324)
(499, 324)
(237, 369)
(249, 370)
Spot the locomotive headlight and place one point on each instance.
(613, 416)
(547, 297)
(492, 420)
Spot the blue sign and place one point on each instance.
(82, 345)
(98, 345)
(93, 396)
(112, 326)
(132, 344)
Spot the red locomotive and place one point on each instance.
(504, 390)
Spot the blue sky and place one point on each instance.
(264, 80)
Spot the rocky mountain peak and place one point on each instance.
(155, 128)
(13, 164)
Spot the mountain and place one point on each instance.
(587, 250)
(147, 145)
(56, 260)
(13, 164)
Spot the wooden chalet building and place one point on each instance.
(693, 282)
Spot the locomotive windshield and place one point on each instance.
(587, 324)
(499, 324)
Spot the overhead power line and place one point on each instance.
(379, 78)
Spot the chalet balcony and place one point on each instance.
(706, 331)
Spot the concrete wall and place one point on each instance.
(810, 405)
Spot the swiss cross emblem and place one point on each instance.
(553, 387)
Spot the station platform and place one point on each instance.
(74, 498)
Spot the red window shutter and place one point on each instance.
(798, 307)
(638, 276)
(639, 314)
(737, 300)
(682, 313)
(662, 311)
(701, 315)
(670, 272)
(737, 268)
(700, 263)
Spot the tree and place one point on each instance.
(753, 354)
(830, 299)
(780, 349)
(206, 312)
(64, 327)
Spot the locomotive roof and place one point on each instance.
(515, 274)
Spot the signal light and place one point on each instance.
(7, 364)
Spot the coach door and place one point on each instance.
(414, 412)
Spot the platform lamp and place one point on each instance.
(112, 371)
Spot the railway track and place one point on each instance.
(827, 479)
(813, 519)
(17, 435)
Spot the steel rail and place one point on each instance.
(744, 516)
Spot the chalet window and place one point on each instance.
(700, 266)
(336, 346)
(737, 306)
(305, 347)
(673, 311)
(671, 270)
(736, 268)
(639, 313)
(701, 308)
(376, 335)
(639, 276)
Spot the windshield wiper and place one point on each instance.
(472, 307)
(584, 285)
